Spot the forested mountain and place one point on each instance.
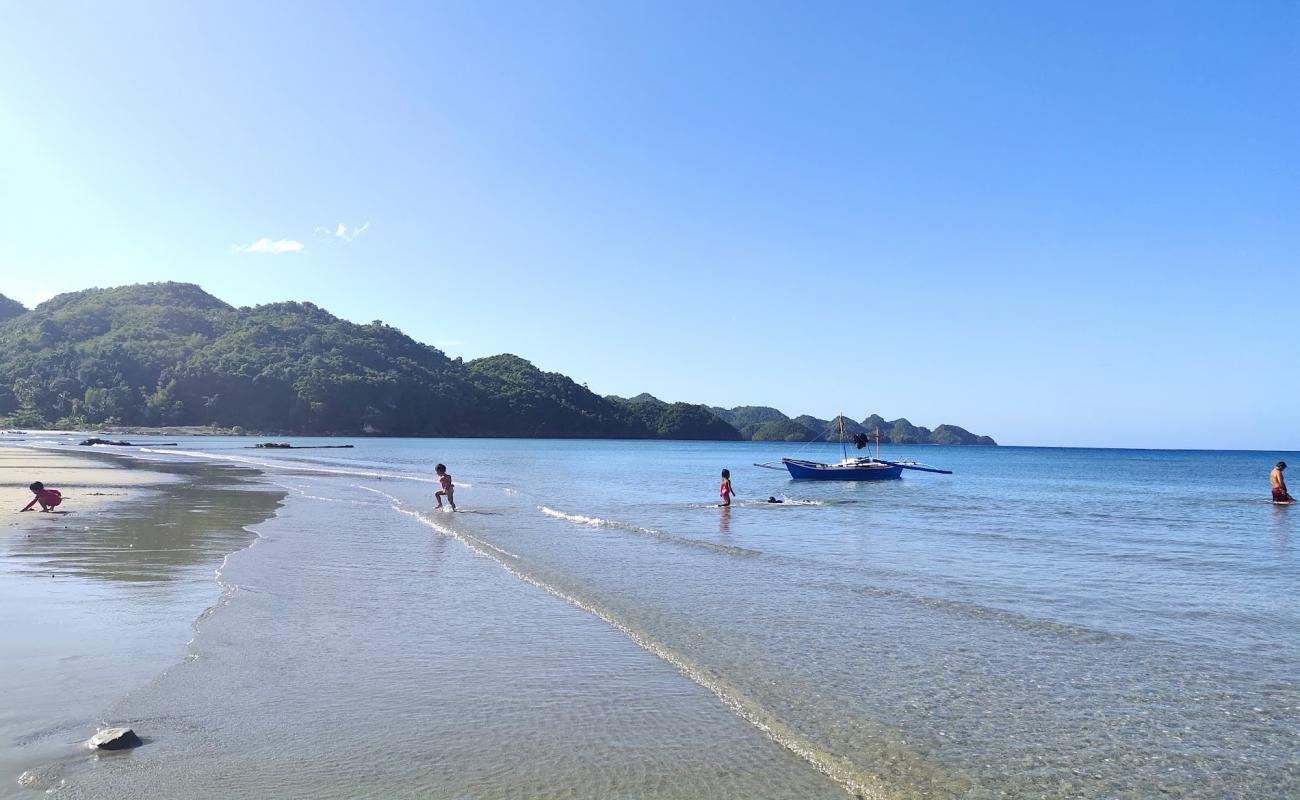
(170, 354)
(10, 308)
(548, 404)
(661, 418)
(750, 419)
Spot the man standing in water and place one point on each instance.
(1280, 494)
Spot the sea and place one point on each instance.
(1041, 623)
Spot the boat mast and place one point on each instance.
(843, 447)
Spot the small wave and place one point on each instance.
(598, 522)
(833, 765)
(1025, 622)
(227, 593)
(427, 519)
(302, 492)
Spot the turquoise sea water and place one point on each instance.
(1041, 623)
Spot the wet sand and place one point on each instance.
(99, 597)
(343, 650)
(88, 484)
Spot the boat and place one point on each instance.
(852, 468)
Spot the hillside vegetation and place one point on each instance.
(170, 354)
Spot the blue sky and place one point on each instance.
(1056, 223)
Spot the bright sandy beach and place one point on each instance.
(96, 598)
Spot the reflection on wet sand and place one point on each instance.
(195, 519)
(96, 601)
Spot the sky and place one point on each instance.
(1054, 223)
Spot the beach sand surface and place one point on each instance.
(99, 597)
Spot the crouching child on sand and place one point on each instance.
(447, 489)
(48, 498)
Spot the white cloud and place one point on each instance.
(342, 232)
(268, 245)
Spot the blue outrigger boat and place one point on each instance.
(852, 468)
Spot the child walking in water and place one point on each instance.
(725, 490)
(48, 498)
(447, 487)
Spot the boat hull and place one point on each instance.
(812, 471)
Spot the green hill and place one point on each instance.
(953, 434)
(171, 354)
(676, 420)
(741, 416)
(10, 308)
(786, 430)
(165, 354)
(547, 403)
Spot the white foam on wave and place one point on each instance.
(833, 766)
(227, 592)
(599, 522)
(400, 507)
(302, 492)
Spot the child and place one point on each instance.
(725, 490)
(48, 498)
(447, 488)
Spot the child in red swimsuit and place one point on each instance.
(447, 488)
(725, 490)
(48, 498)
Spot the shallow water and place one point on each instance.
(1043, 623)
(97, 602)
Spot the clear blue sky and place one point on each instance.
(1056, 223)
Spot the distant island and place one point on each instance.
(171, 355)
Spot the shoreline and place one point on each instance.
(101, 599)
(416, 646)
(477, 669)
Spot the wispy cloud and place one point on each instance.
(268, 245)
(342, 232)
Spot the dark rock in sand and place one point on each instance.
(114, 739)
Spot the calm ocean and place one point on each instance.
(1041, 623)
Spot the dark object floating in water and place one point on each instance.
(287, 446)
(124, 443)
(114, 739)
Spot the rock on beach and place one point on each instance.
(114, 739)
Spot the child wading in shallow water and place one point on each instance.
(447, 487)
(48, 498)
(725, 490)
